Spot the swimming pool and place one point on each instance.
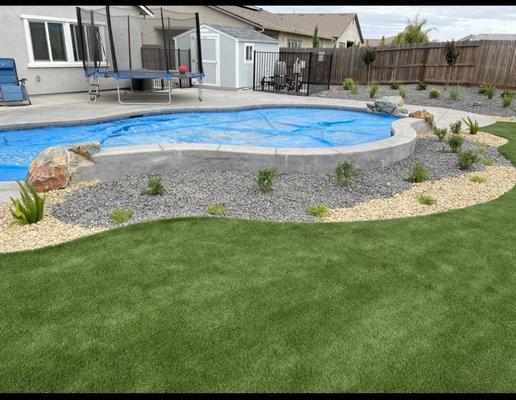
(264, 127)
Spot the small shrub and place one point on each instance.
(467, 159)
(29, 209)
(319, 211)
(421, 86)
(373, 90)
(418, 174)
(478, 179)
(402, 91)
(217, 210)
(488, 162)
(345, 174)
(354, 89)
(507, 93)
(455, 127)
(455, 93)
(348, 84)
(482, 89)
(435, 94)
(455, 142)
(481, 149)
(121, 215)
(427, 200)
(472, 125)
(154, 187)
(490, 91)
(369, 56)
(506, 101)
(440, 133)
(395, 85)
(265, 179)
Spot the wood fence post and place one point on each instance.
(423, 66)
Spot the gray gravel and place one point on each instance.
(469, 100)
(189, 193)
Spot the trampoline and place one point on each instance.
(103, 42)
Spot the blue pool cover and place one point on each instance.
(267, 127)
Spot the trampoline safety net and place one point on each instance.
(108, 42)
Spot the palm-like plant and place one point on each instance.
(414, 32)
(29, 209)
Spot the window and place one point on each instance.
(349, 43)
(56, 42)
(249, 53)
(294, 43)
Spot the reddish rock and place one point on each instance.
(53, 168)
(85, 150)
(423, 114)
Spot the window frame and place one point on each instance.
(246, 45)
(69, 49)
(298, 43)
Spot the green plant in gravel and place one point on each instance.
(440, 133)
(345, 174)
(394, 85)
(506, 101)
(455, 142)
(488, 162)
(455, 127)
(419, 173)
(472, 125)
(421, 86)
(455, 93)
(373, 90)
(265, 179)
(121, 215)
(481, 149)
(402, 91)
(348, 84)
(478, 179)
(354, 89)
(434, 94)
(427, 200)
(30, 208)
(482, 88)
(489, 91)
(319, 211)
(467, 159)
(506, 92)
(154, 187)
(217, 210)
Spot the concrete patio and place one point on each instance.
(59, 109)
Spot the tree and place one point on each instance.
(368, 58)
(413, 32)
(382, 41)
(315, 40)
(451, 54)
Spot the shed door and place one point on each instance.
(210, 58)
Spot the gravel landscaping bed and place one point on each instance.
(469, 100)
(189, 193)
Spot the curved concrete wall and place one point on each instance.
(114, 163)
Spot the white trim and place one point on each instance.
(54, 64)
(53, 19)
(206, 26)
(245, 53)
(237, 65)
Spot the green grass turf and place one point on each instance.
(198, 304)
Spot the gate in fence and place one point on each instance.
(297, 73)
(153, 59)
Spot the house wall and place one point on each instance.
(306, 41)
(350, 34)
(13, 43)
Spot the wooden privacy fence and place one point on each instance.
(490, 61)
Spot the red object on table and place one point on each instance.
(182, 69)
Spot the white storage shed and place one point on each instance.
(227, 53)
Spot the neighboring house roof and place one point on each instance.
(330, 25)
(490, 36)
(241, 34)
(376, 42)
(145, 10)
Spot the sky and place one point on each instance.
(451, 22)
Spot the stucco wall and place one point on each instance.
(350, 33)
(13, 43)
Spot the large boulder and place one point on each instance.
(85, 150)
(423, 114)
(388, 104)
(53, 168)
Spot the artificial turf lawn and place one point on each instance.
(197, 304)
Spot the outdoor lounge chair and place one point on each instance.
(12, 89)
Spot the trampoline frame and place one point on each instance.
(94, 74)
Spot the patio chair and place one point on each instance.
(12, 89)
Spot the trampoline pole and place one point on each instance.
(111, 41)
(129, 41)
(164, 41)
